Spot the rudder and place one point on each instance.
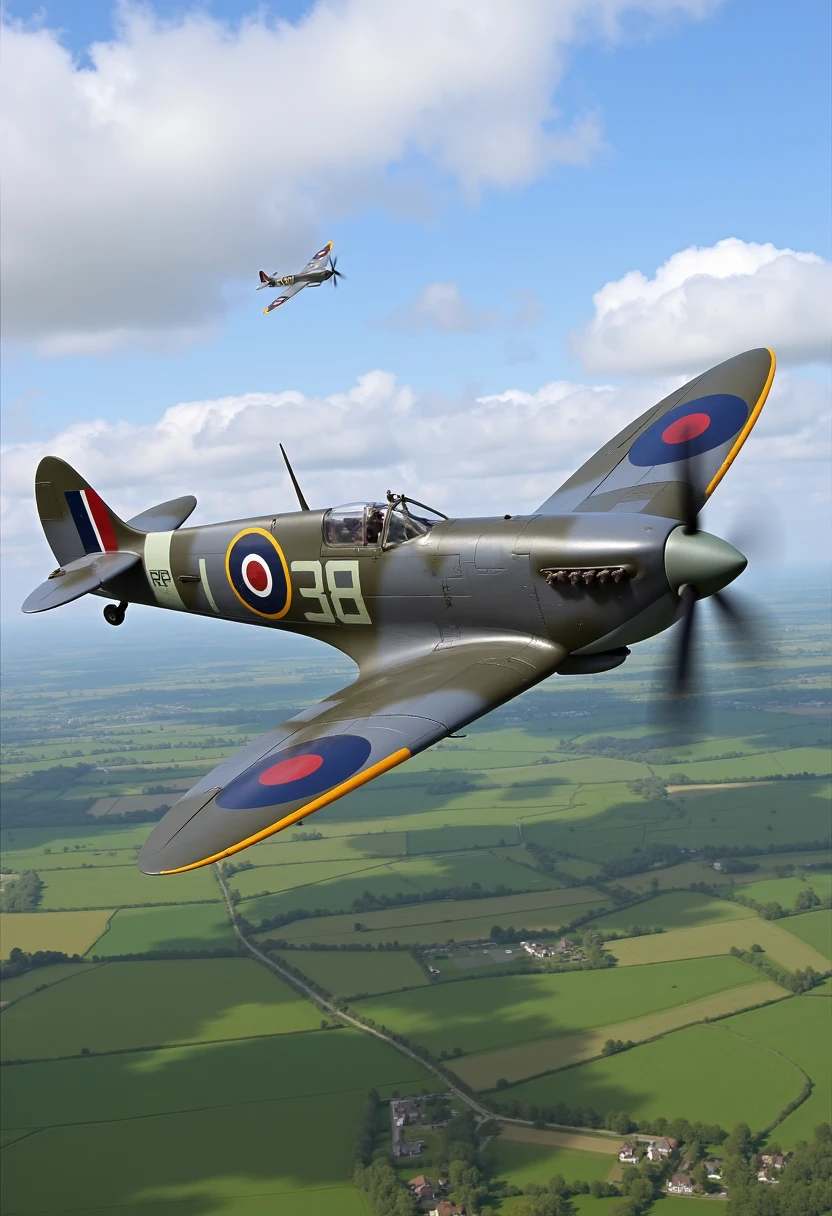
(75, 519)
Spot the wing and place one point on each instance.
(288, 292)
(316, 262)
(694, 434)
(323, 753)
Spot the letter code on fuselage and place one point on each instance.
(341, 598)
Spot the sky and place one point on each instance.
(547, 216)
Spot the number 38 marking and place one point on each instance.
(343, 585)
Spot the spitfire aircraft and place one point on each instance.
(445, 618)
(315, 272)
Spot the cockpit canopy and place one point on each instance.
(374, 524)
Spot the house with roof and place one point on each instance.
(659, 1150)
(424, 1187)
(774, 1161)
(713, 1169)
(681, 1184)
(446, 1208)
(628, 1153)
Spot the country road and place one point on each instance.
(332, 1009)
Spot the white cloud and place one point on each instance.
(188, 152)
(442, 308)
(704, 305)
(485, 456)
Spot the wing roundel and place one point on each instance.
(678, 450)
(343, 743)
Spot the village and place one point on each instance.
(422, 1112)
(683, 1181)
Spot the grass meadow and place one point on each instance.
(705, 1073)
(520, 1163)
(799, 1029)
(483, 1014)
(785, 891)
(177, 927)
(147, 1004)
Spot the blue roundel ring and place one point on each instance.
(296, 773)
(257, 573)
(690, 429)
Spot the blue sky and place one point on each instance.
(711, 122)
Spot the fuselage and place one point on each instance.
(313, 278)
(589, 582)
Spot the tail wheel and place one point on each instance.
(114, 613)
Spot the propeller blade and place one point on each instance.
(690, 503)
(682, 666)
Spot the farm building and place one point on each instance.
(536, 949)
(681, 1184)
(628, 1153)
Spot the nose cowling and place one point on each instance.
(700, 560)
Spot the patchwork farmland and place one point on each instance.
(563, 816)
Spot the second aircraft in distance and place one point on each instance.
(318, 270)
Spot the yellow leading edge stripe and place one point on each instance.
(746, 430)
(344, 788)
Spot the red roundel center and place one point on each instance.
(684, 429)
(293, 769)
(257, 575)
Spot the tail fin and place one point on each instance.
(264, 278)
(75, 519)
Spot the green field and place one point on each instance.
(148, 1004)
(482, 1014)
(705, 1072)
(117, 886)
(675, 910)
(247, 1160)
(303, 878)
(235, 1073)
(801, 1030)
(41, 977)
(520, 1163)
(487, 1069)
(71, 932)
(443, 921)
(348, 973)
(335, 884)
(814, 928)
(250, 1106)
(180, 927)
